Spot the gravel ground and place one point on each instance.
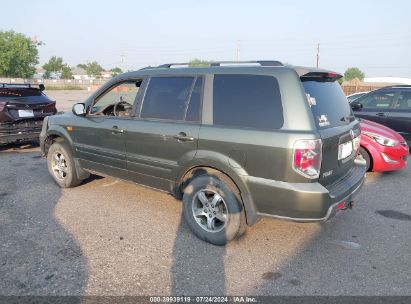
(111, 237)
(66, 98)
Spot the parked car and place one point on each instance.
(235, 141)
(22, 110)
(382, 148)
(355, 96)
(389, 106)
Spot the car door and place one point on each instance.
(376, 106)
(166, 132)
(400, 117)
(100, 136)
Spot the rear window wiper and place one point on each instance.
(348, 118)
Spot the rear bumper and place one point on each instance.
(19, 131)
(305, 202)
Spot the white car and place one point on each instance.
(354, 96)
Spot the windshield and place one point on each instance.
(355, 96)
(328, 103)
(19, 92)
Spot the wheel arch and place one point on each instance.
(54, 135)
(227, 175)
(59, 134)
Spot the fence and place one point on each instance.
(50, 84)
(351, 89)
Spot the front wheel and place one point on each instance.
(367, 158)
(61, 165)
(213, 210)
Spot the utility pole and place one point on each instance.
(238, 50)
(318, 54)
(122, 61)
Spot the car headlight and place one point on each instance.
(382, 140)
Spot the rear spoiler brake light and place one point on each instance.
(321, 76)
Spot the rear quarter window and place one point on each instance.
(249, 101)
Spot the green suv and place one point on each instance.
(236, 141)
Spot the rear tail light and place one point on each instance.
(307, 157)
(50, 108)
(2, 105)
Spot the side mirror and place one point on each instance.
(42, 87)
(356, 106)
(79, 109)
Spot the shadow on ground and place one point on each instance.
(38, 256)
(360, 252)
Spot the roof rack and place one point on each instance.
(270, 63)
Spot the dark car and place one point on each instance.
(235, 141)
(389, 106)
(22, 110)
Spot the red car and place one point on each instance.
(382, 148)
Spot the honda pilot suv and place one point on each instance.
(235, 141)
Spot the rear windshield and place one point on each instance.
(23, 92)
(328, 103)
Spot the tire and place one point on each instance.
(213, 210)
(61, 165)
(367, 158)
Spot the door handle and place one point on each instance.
(380, 114)
(182, 137)
(116, 130)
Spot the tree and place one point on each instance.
(352, 73)
(92, 68)
(82, 66)
(66, 72)
(115, 71)
(56, 65)
(18, 55)
(198, 63)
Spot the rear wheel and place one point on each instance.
(212, 210)
(367, 158)
(61, 165)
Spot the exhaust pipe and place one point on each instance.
(350, 205)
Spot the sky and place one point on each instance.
(374, 36)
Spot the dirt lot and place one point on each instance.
(66, 98)
(110, 237)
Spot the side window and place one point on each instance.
(193, 110)
(252, 101)
(404, 102)
(166, 97)
(117, 101)
(378, 101)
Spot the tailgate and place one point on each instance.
(335, 123)
(335, 162)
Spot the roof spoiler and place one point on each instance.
(40, 86)
(321, 76)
